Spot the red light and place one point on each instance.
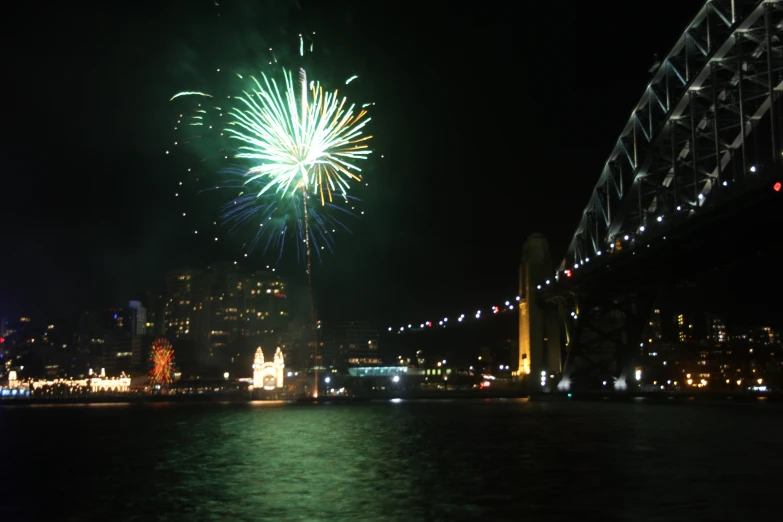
(2, 340)
(567, 273)
(777, 186)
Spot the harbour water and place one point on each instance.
(438, 460)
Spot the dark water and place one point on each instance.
(408, 461)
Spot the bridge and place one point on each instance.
(700, 154)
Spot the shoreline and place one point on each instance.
(638, 397)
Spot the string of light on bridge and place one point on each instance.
(508, 306)
(512, 304)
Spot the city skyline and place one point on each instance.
(445, 223)
(343, 260)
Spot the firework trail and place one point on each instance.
(295, 149)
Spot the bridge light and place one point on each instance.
(567, 273)
(777, 186)
(701, 196)
(598, 253)
(753, 168)
(390, 328)
(519, 297)
(679, 207)
(659, 219)
(587, 260)
(576, 265)
(641, 228)
(548, 281)
(627, 237)
(725, 183)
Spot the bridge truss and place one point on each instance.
(691, 136)
(705, 134)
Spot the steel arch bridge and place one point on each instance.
(688, 139)
(705, 136)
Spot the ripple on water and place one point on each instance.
(409, 461)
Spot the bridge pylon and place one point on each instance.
(603, 334)
(539, 328)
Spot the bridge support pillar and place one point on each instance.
(539, 329)
(604, 332)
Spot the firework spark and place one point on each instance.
(162, 359)
(310, 143)
(296, 147)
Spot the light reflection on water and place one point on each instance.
(394, 460)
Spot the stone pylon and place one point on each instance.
(539, 329)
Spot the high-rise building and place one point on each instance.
(716, 328)
(154, 304)
(184, 300)
(330, 348)
(137, 318)
(684, 327)
(763, 335)
(244, 304)
(656, 325)
(358, 342)
(108, 339)
(773, 334)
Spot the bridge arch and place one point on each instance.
(687, 141)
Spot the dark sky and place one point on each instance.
(494, 119)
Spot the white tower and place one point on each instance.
(258, 369)
(279, 367)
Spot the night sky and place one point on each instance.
(494, 119)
